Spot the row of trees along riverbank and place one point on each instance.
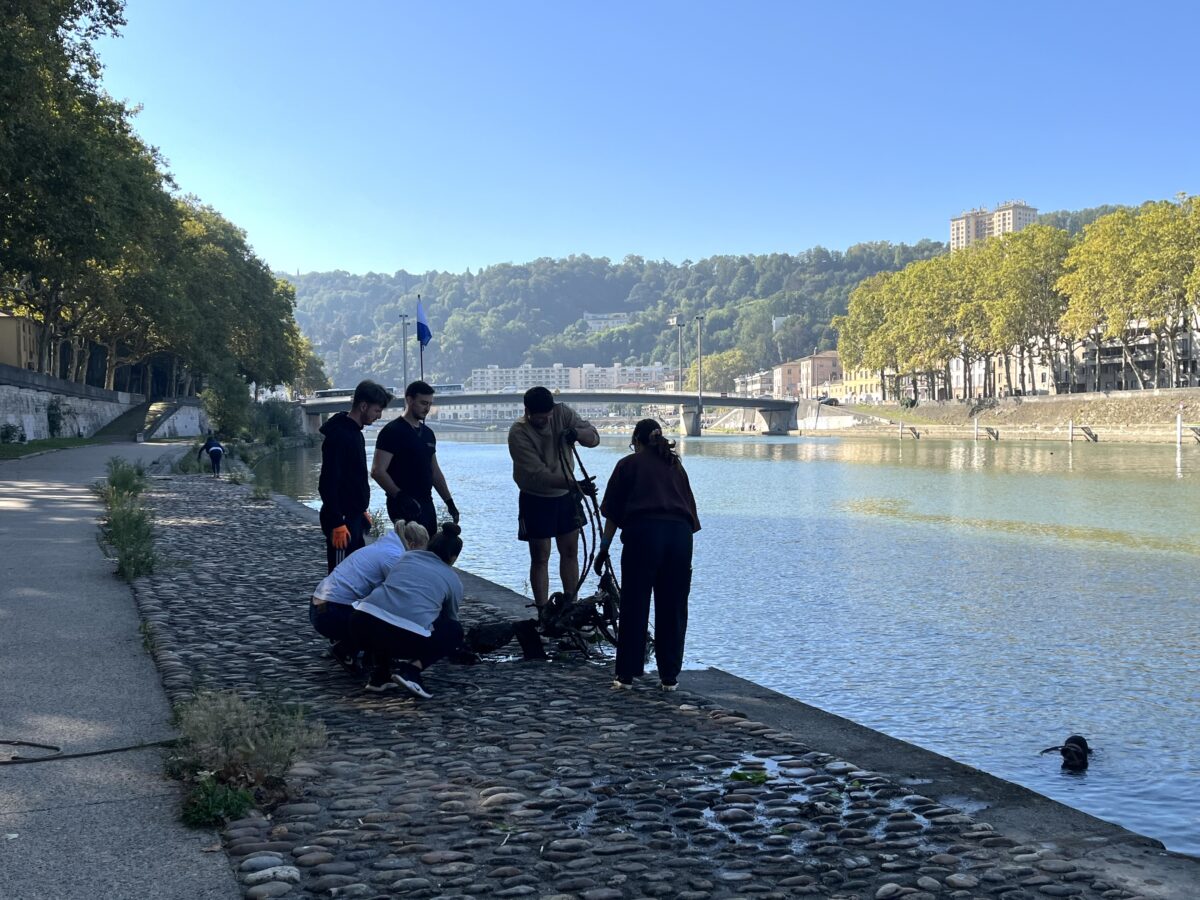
(1130, 280)
(122, 274)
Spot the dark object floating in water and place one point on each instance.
(1075, 752)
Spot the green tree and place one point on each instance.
(1100, 282)
(720, 370)
(226, 399)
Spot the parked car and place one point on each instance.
(829, 401)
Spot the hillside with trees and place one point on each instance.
(769, 308)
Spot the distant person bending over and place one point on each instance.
(355, 577)
(413, 615)
(650, 499)
(344, 487)
(541, 446)
(405, 463)
(215, 454)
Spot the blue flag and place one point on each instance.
(424, 335)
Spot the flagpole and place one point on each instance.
(421, 344)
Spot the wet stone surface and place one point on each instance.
(532, 779)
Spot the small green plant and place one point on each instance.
(12, 434)
(380, 523)
(149, 641)
(127, 528)
(211, 803)
(754, 776)
(243, 742)
(189, 463)
(260, 492)
(125, 480)
(236, 476)
(129, 531)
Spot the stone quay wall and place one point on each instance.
(26, 399)
(537, 780)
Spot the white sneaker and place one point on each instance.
(619, 685)
(409, 677)
(663, 686)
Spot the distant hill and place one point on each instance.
(512, 314)
(1074, 221)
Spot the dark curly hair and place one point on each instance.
(447, 544)
(649, 434)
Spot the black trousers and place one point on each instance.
(656, 557)
(358, 539)
(428, 516)
(331, 620)
(385, 642)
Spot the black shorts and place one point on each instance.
(547, 517)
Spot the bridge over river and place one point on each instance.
(777, 416)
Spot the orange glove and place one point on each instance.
(340, 538)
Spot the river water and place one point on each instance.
(981, 600)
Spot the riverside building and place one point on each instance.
(516, 380)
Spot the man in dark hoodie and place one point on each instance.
(344, 486)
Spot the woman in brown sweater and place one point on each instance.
(649, 498)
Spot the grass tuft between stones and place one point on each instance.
(210, 803)
(240, 745)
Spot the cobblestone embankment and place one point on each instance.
(531, 779)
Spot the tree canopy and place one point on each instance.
(95, 244)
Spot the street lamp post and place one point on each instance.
(679, 324)
(404, 345)
(699, 372)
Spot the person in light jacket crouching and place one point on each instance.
(355, 577)
(413, 615)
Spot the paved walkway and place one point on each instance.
(74, 673)
(536, 779)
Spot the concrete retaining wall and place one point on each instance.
(26, 398)
(189, 420)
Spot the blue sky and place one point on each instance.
(377, 136)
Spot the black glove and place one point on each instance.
(453, 510)
(570, 436)
(601, 559)
(587, 485)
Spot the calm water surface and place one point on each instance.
(982, 600)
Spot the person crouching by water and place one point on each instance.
(650, 499)
(359, 574)
(413, 615)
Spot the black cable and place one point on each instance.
(592, 514)
(58, 754)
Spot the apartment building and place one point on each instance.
(605, 321)
(785, 378)
(806, 378)
(758, 384)
(517, 380)
(858, 386)
(980, 224)
(18, 341)
(590, 377)
(520, 378)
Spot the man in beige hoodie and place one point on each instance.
(540, 444)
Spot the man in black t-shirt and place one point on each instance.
(405, 463)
